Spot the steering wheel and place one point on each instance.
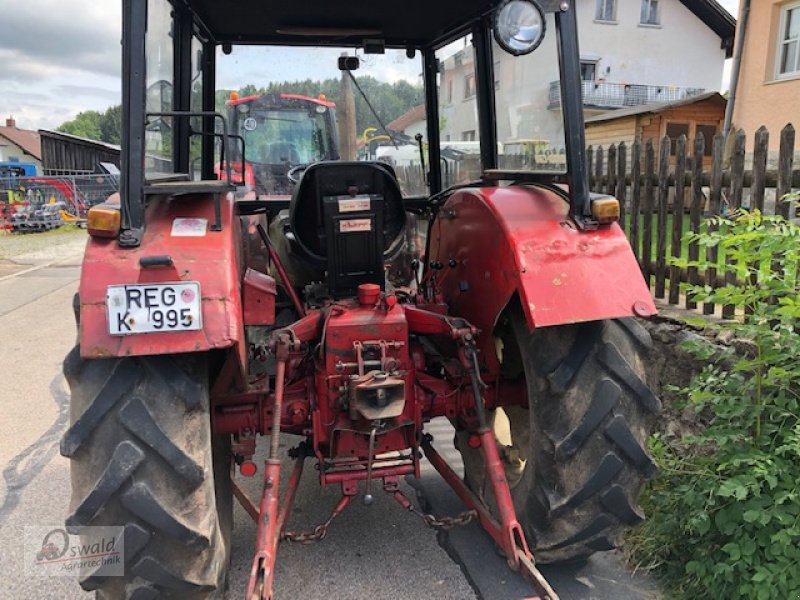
(295, 172)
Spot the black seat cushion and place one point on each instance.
(343, 178)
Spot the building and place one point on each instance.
(768, 91)
(66, 154)
(633, 52)
(20, 145)
(410, 122)
(704, 114)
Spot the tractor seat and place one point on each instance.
(282, 152)
(347, 217)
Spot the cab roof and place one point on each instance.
(404, 23)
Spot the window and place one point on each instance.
(468, 136)
(649, 12)
(588, 70)
(469, 85)
(789, 41)
(708, 131)
(606, 10)
(674, 131)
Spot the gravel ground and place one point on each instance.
(30, 248)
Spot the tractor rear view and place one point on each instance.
(518, 323)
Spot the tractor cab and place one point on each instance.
(334, 284)
(252, 92)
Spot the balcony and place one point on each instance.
(605, 95)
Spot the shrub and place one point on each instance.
(725, 511)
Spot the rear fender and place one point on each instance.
(212, 258)
(498, 241)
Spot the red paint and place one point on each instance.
(248, 468)
(263, 569)
(561, 274)
(258, 298)
(213, 260)
(318, 101)
(368, 294)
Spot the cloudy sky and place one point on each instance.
(59, 57)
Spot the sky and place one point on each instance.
(58, 58)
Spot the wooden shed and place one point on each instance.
(65, 154)
(702, 113)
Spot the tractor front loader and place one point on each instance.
(519, 324)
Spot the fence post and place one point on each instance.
(611, 170)
(785, 160)
(598, 169)
(647, 211)
(636, 195)
(589, 169)
(622, 159)
(677, 219)
(663, 200)
(737, 189)
(757, 188)
(714, 209)
(759, 183)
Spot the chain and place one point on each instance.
(464, 518)
(307, 537)
(319, 533)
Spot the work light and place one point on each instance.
(519, 26)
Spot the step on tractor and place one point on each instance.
(517, 323)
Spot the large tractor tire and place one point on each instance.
(576, 458)
(143, 458)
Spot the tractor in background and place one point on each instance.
(518, 322)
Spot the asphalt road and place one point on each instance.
(377, 553)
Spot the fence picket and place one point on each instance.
(663, 200)
(647, 212)
(694, 213)
(611, 171)
(622, 159)
(757, 188)
(677, 219)
(714, 210)
(737, 190)
(636, 196)
(589, 167)
(598, 168)
(785, 159)
(759, 183)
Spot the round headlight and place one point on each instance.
(519, 26)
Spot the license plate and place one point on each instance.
(154, 307)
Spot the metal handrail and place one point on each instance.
(608, 94)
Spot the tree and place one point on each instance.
(86, 125)
(111, 125)
(94, 125)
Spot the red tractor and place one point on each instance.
(519, 324)
(281, 135)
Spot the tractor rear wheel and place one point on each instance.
(576, 458)
(144, 458)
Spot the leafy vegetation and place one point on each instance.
(390, 100)
(94, 125)
(725, 512)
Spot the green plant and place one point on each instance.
(725, 512)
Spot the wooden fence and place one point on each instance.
(653, 192)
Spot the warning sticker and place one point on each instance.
(189, 227)
(354, 204)
(351, 225)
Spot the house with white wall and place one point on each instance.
(633, 52)
(20, 145)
